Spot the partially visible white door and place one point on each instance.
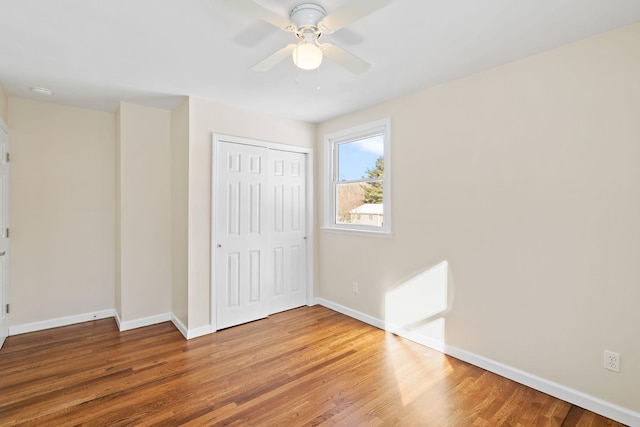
(4, 235)
(287, 229)
(240, 232)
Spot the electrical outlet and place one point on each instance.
(612, 361)
(356, 288)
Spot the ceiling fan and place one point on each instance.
(308, 21)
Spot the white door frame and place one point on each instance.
(216, 140)
(4, 128)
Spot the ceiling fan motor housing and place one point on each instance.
(307, 15)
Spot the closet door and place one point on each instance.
(287, 229)
(241, 235)
(259, 221)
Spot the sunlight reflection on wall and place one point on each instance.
(415, 308)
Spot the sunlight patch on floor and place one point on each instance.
(415, 309)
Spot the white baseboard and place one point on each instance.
(60, 321)
(179, 326)
(417, 337)
(198, 332)
(116, 317)
(142, 322)
(190, 333)
(104, 314)
(351, 313)
(578, 398)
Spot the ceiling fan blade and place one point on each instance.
(349, 12)
(252, 8)
(345, 59)
(271, 61)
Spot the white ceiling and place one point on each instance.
(94, 53)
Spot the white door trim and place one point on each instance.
(6, 245)
(215, 141)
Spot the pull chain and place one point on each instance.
(297, 70)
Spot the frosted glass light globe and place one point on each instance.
(307, 56)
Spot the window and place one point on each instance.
(357, 177)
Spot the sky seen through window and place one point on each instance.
(355, 157)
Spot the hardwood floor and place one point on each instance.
(309, 366)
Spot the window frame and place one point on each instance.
(331, 141)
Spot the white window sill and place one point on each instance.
(357, 231)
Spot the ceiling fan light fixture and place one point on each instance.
(307, 56)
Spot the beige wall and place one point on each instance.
(4, 103)
(180, 210)
(145, 211)
(158, 170)
(62, 211)
(206, 118)
(525, 179)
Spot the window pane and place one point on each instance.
(359, 159)
(359, 203)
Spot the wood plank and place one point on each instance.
(309, 366)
